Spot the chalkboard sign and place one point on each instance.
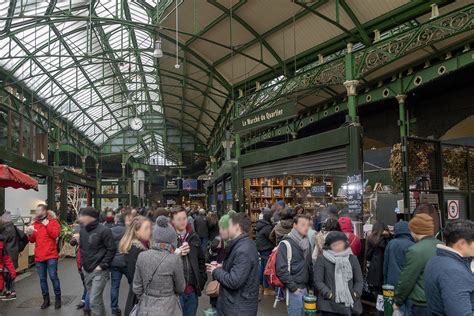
(318, 189)
(354, 193)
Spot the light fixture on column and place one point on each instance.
(158, 52)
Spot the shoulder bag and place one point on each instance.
(134, 311)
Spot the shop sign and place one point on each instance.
(354, 193)
(318, 189)
(197, 195)
(171, 184)
(453, 209)
(265, 117)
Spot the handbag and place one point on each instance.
(212, 288)
(134, 311)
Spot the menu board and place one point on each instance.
(318, 189)
(354, 193)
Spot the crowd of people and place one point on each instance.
(171, 257)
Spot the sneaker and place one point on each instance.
(3, 294)
(10, 297)
(80, 305)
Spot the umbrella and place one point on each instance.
(11, 177)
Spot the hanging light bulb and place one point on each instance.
(177, 66)
(158, 52)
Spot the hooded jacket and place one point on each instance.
(395, 252)
(450, 283)
(8, 230)
(44, 237)
(264, 228)
(282, 229)
(354, 242)
(97, 246)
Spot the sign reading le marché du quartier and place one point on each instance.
(265, 117)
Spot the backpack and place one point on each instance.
(270, 269)
(22, 239)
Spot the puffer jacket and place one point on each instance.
(301, 266)
(8, 230)
(264, 228)
(395, 252)
(239, 279)
(97, 246)
(354, 242)
(44, 238)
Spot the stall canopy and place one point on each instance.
(13, 178)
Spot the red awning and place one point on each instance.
(13, 178)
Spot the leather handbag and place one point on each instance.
(212, 288)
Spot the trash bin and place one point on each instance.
(388, 294)
(310, 306)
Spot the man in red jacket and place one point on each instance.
(44, 231)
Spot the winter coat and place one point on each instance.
(449, 283)
(239, 279)
(395, 252)
(354, 242)
(131, 260)
(44, 238)
(117, 233)
(194, 264)
(168, 281)
(281, 229)
(301, 266)
(6, 264)
(375, 260)
(97, 246)
(200, 226)
(264, 228)
(325, 284)
(213, 230)
(411, 278)
(8, 230)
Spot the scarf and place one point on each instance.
(302, 241)
(342, 275)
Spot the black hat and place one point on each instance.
(333, 237)
(89, 211)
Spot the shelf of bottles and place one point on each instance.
(262, 192)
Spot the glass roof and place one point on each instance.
(83, 69)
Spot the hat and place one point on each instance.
(334, 236)
(280, 203)
(421, 224)
(224, 221)
(164, 232)
(6, 217)
(89, 211)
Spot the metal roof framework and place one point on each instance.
(85, 59)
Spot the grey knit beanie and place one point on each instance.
(164, 232)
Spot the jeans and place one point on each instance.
(116, 276)
(189, 303)
(263, 263)
(9, 283)
(95, 283)
(417, 310)
(48, 267)
(204, 244)
(296, 303)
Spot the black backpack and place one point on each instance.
(22, 239)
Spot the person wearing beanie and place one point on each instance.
(338, 277)
(410, 286)
(193, 260)
(97, 248)
(264, 246)
(159, 273)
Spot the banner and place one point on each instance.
(265, 117)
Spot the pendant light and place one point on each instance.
(158, 52)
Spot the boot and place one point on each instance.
(46, 302)
(57, 302)
(87, 313)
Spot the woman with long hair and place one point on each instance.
(135, 240)
(212, 224)
(374, 256)
(331, 225)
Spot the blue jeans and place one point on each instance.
(263, 263)
(48, 267)
(204, 244)
(189, 303)
(116, 277)
(296, 303)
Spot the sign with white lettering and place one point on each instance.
(354, 193)
(265, 117)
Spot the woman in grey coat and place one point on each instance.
(158, 291)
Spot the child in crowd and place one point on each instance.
(6, 265)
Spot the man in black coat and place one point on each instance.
(97, 248)
(193, 261)
(238, 277)
(298, 277)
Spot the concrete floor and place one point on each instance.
(29, 299)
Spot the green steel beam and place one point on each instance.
(363, 34)
(11, 13)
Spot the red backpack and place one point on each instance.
(270, 269)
